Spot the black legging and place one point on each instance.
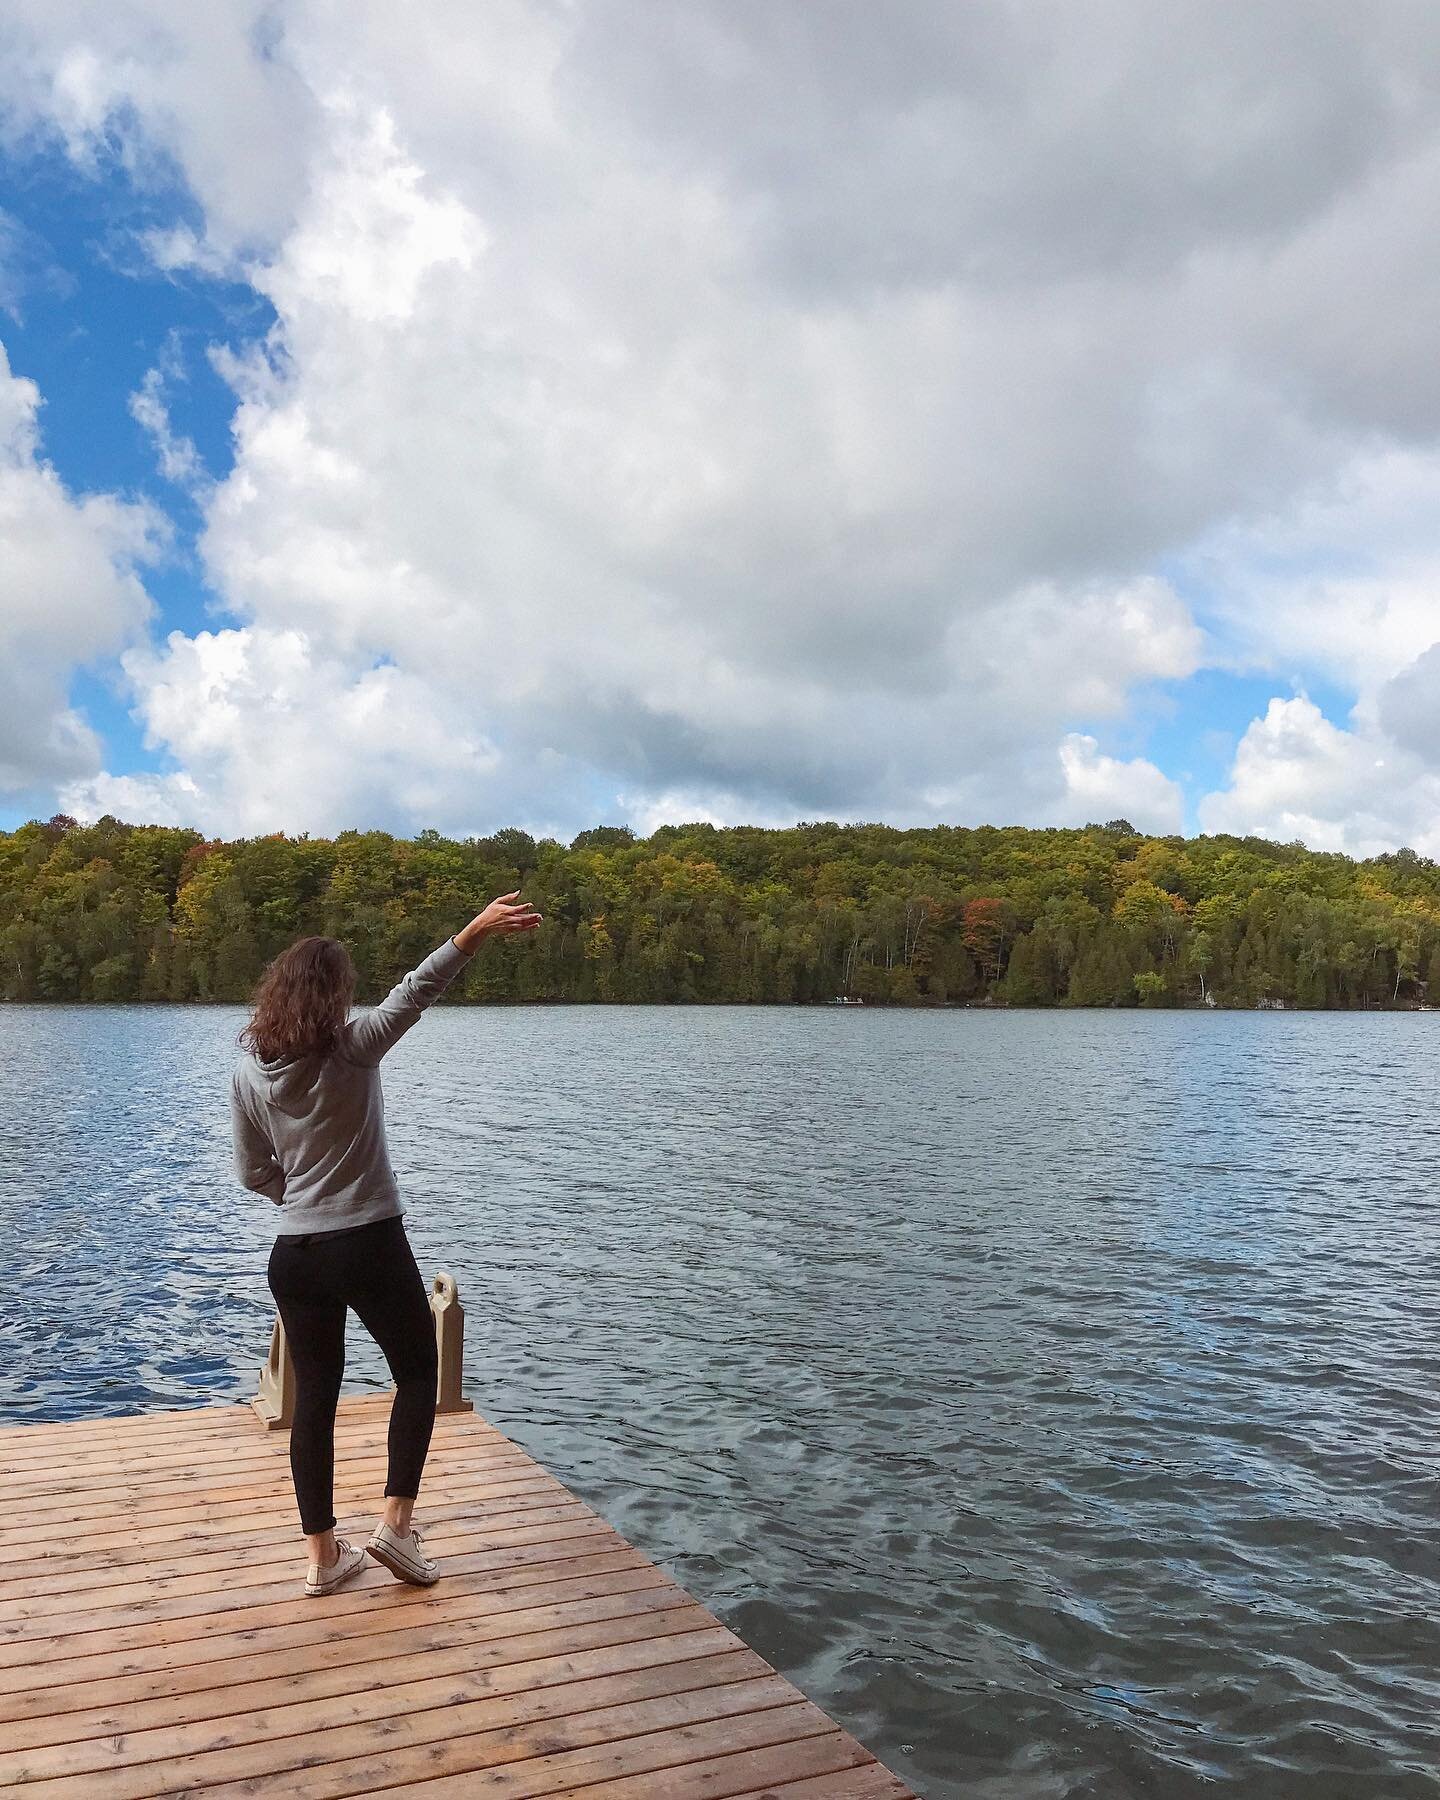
(314, 1279)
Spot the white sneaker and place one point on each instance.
(324, 1578)
(402, 1556)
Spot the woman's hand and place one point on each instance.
(508, 913)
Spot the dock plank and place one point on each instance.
(124, 1548)
(351, 1497)
(276, 1626)
(156, 1642)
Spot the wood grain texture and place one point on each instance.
(155, 1641)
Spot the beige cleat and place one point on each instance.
(402, 1556)
(324, 1578)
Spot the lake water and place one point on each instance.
(1051, 1396)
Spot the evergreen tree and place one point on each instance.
(700, 913)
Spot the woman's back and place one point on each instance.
(310, 1130)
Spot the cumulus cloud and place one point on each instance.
(1345, 582)
(193, 91)
(1297, 775)
(70, 596)
(263, 730)
(1345, 588)
(1105, 787)
(771, 411)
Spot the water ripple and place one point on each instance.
(1049, 1396)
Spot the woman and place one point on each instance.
(309, 1129)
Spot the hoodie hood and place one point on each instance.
(292, 1085)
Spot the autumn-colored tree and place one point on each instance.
(702, 913)
(983, 934)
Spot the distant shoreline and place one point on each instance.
(940, 917)
(881, 1006)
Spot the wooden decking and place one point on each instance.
(154, 1639)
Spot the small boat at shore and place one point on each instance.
(846, 1000)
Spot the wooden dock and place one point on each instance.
(154, 1639)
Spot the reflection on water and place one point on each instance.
(1051, 1396)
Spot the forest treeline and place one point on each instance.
(1103, 916)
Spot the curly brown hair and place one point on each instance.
(301, 1002)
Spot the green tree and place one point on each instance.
(703, 913)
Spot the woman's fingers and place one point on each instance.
(502, 915)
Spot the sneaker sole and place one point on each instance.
(319, 1593)
(397, 1568)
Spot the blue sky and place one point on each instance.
(87, 314)
(759, 439)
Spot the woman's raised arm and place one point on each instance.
(370, 1035)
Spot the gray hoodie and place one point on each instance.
(310, 1131)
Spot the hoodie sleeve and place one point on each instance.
(255, 1164)
(381, 1028)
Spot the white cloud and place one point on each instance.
(371, 232)
(163, 85)
(154, 799)
(178, 459)
(645, 812)
(68, 596)
(264, 731)
(1345, 589)
(1344, 583)
(1103, 787)
(1296, 775)
(780, 411)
